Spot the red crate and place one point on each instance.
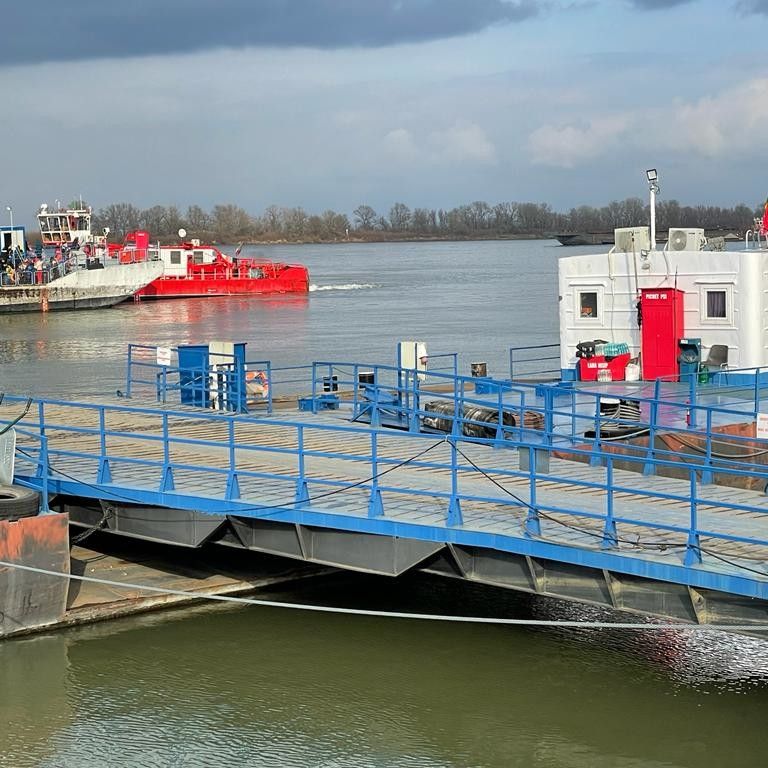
(588, 367)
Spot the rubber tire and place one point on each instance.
(17, 502)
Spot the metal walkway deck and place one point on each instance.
(319, 488)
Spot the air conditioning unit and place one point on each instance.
(632, 239)
(686, 240)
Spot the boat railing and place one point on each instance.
(528, 361)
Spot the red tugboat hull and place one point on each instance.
(191, 269)
(291, 279)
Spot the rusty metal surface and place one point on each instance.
(27, 599)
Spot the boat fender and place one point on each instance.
(16, 502)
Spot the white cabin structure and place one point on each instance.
(725, 302)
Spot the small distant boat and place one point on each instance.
(585, 238)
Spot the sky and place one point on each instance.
(330, 104)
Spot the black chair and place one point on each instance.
(717, 360)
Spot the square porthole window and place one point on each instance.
(588, 304)
(716, 304)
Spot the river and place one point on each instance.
(214, 686)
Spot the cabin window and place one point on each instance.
(587, 307)
(716, 303)
(197, 257)
(175, 257)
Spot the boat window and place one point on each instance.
(197, 257)
(588, 305)
(175, 257)
(716, 303)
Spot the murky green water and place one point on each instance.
(263, 687)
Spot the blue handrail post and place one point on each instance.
(166, 482)
(233, 484)
(104, 473)
(375, 504)
(596, 459)
(693, 547)
(757, 391)
(128, 372)
(41, 427)
(706, 474)
(532, 520)
(500, 421)
(610, 534)
(454, 506)
(692, 400)
(314, 387)
(302, 491)
(649, 468)
(413, 414)
(45, 467)
(269, 386)
(375, 415)
(549, 414)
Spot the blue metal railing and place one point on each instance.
(536, 355)
(359, 447)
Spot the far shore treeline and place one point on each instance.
(478, 220)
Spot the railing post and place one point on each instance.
(692, 400)
(706, 474)
(104, 474)
(233, 484)
(757, 392)
(166, 482)
(653, 416)
(302, 491)
(375, 504)
(41, 427)
(500, 425)
(45, 466)
(596, 459)
(610, 535)
(532, 520)
(129, 372)
(413, 414)
(693, 547)
(454, 506)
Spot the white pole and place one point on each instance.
(653, 216)
(10, 211)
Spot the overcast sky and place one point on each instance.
(333, 103)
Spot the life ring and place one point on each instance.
(257, 383)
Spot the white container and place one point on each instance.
(604, 374)
(632, 372)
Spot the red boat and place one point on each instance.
(191, 269)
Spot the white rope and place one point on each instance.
(395, 614)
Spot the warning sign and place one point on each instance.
(761, 427)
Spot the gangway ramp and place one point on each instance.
(317, 488)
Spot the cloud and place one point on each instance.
(730, 124)
(570, 145)
(656, 5)
(753, 6)
(92, 29)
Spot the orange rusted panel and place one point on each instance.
(29, 599)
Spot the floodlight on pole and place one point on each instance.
(10, 213)
(653, 186)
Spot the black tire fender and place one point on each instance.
(16, 502)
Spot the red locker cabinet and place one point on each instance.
(662, 327)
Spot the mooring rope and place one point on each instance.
(394, 614)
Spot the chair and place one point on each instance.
(717, 360)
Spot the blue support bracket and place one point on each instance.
(233, 487)
(375, 504)
(167, 483)
(105, 474)
(532, 522)
(693, 549)
(302, 493)
(454, 512)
